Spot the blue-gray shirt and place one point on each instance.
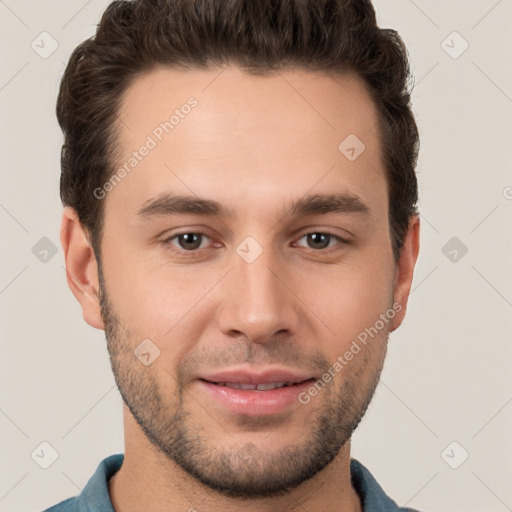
(95, 496)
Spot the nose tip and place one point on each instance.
(255, 303)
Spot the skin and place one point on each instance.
(253, 144)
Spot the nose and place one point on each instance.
(257, 301)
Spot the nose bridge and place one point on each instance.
(256, 302)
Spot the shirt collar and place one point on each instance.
(373, 498)
(95, 496)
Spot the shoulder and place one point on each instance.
(69, 505)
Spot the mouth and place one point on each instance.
(254, 394)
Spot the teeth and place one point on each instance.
(239, 385)
(259, 387)
(271, 385)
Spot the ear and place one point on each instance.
(81, 267)
(405, 269)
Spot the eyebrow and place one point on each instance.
(315, 204)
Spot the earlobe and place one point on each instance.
(405, 269)
(81, 267)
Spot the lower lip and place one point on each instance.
(253, 402)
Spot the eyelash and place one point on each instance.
(337, 247)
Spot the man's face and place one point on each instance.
(265, 288)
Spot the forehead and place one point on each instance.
(229, 98)
(222, 132)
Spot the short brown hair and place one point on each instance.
(332, 36)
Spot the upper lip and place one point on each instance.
(262, 377)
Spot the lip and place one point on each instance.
(255, 402)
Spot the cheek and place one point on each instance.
(161, 303)
(349, 300)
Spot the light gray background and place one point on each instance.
(447, 375)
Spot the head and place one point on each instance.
(288, 127)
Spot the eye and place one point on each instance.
(320, 240)
(189, 241)
(192, 240)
